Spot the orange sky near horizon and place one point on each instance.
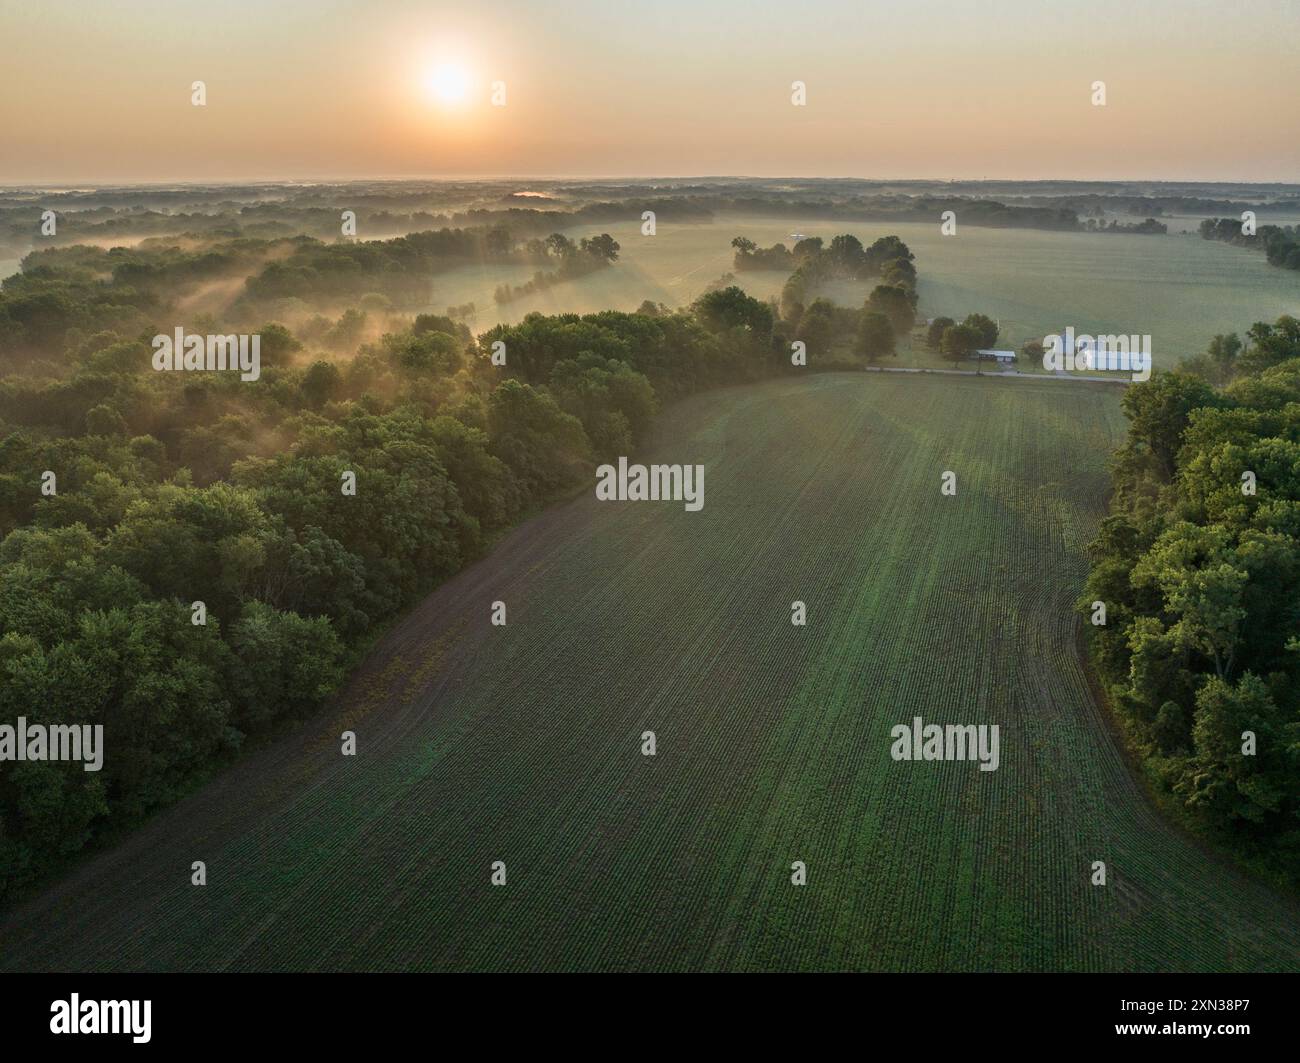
(999, 89)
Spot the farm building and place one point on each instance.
(1001, 357)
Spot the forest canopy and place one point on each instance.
(1197, 567)
(129, 498)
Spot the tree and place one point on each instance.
(321, 577)
(498, 242)
(985, 328)
(875, 336)
(560, 246)
(539, 341)
(103, 420)
(321, 382)
(959, 342)
(1224, 350)
(845, 253)
(807, 248)
(1270, 344)
(543, 446)
(1219, 362)
(1158, 410)
(934, 334)
(897, 304)
(287, 664)
(1223, 782)
(277, 346)
(817, 325)
(1202, 583)
(487, 488)
(614, 402)
(437, 323)
(731, 308)
(347, 331)
(886, 249)
(899, 272)
(603, 248)
(435, 353)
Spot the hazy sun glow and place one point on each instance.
(448, 83)
(623, 89)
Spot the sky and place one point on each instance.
(328, 89)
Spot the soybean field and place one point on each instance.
(523, 744)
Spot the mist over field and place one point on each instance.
(726, 487)
(1014, 262)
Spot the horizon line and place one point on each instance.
(124, 182)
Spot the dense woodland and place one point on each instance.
(175, 488)
(1198, 566)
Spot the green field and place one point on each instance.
(1182, 290)
(522, 744)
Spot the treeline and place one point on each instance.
(78, 291)
(1149, 227)
(1096, 204)
(988, 213)
(960, 340)
(20, 226)
(384, 209)
(571, 261)
(871, 332)
(750, 256)
(1196, 569)
(399, 268)
(85, 290)
(294, 213)
(171, 265)
(692, 205)
(888, 314)
(163, 490)
(1280, 243)
(887, 258)
(61, 287)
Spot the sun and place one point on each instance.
(448, 84)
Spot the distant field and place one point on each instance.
(522, 744)
(1180, 289)
(1191, 222)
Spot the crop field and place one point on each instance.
(1180, 289)
(522, 743)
